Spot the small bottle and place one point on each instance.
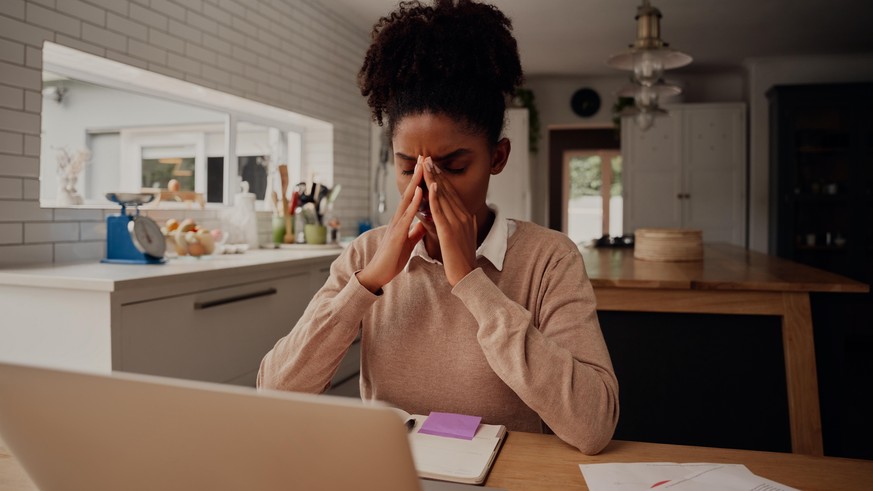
(299, 223)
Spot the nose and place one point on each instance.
(423, 187)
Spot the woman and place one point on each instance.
(465, 310)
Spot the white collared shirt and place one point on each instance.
(493, 248)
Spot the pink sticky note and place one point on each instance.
(451, 425)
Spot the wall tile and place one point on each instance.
(12, 255)
(185, 32)
(79, 251)
(25, 33)
(113, 5)
(11, 233)
(127, 27)
(201, 54)
(31, 145)
(103, 37)
(20, 76)
(32, 101)
(146, 52)
(33, 57)
(23, 211)
(11, 142)
(11, 188)
(19, 166)
(77, 215)
(11, 52)
(83, 11)
(12, 8)
(169, 9)
(19, 121)
(11, 97)
(80, 45)
(51, 232)
(31, 189)
(92, 231)
(148, 17)
(52, 20)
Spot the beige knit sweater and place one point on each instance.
(521, 347)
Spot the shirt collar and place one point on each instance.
(493, 248)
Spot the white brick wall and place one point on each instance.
(293, 54)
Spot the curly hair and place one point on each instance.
(457, 58)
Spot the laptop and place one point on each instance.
(86, 431)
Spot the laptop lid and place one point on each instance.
(78, 431)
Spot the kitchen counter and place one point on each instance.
(212, 318)
(115, 277)
(731, 280)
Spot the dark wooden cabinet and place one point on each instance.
(821, 214)
(821, 176)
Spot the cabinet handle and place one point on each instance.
(235, 298)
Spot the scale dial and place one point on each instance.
(147, 236)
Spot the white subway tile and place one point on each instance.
(123, 58)
(148, 17)
(11, 255)
(19, 166)
(183, 64)
(51, 232)
(23, 211)
(31, 145)
(80, 251)
(20, 76)
(23, 32)
(11, 233)
(113, 5)
(166, 41)
(77, 215)
(11, 97)
(31, 189)
(201, 54)
(11, 142)
(19, 121)
(12, 52)
(169, 9)
(11, 188)
(33, 57)
(12, 8)
(92, 231)
(185, 31)
(33, 101)
(83, 11)
(127, 27)
(146, 51)
(103, 37)
(53, 20)
(80, 45)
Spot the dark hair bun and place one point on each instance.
(454, 58)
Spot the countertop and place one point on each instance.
(724, 267)
(96, 276)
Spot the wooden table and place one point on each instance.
(731, 280)
(543, 462)
(531, 462)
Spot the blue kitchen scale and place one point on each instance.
(133, 238)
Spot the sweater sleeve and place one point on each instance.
(307, 358)
(557, 364)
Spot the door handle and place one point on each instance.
(236, 298)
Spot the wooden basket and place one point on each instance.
(668, 244)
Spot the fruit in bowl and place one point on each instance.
(188, 239)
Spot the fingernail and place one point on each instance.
(433, 187)
(437, 169)
(429, 164)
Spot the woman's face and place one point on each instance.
(466, 158)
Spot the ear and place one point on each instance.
(500, 156)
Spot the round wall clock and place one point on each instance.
(585, 102)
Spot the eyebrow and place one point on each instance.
(452, 155)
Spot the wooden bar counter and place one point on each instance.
(731, 280)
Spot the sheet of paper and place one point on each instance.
(451, 425)
(675, 477)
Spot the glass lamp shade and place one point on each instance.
(647, 96)
(648, 65)
(644, 118)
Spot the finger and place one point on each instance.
(409, 192)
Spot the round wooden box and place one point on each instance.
(668, 244)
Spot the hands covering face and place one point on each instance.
(455, 227)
